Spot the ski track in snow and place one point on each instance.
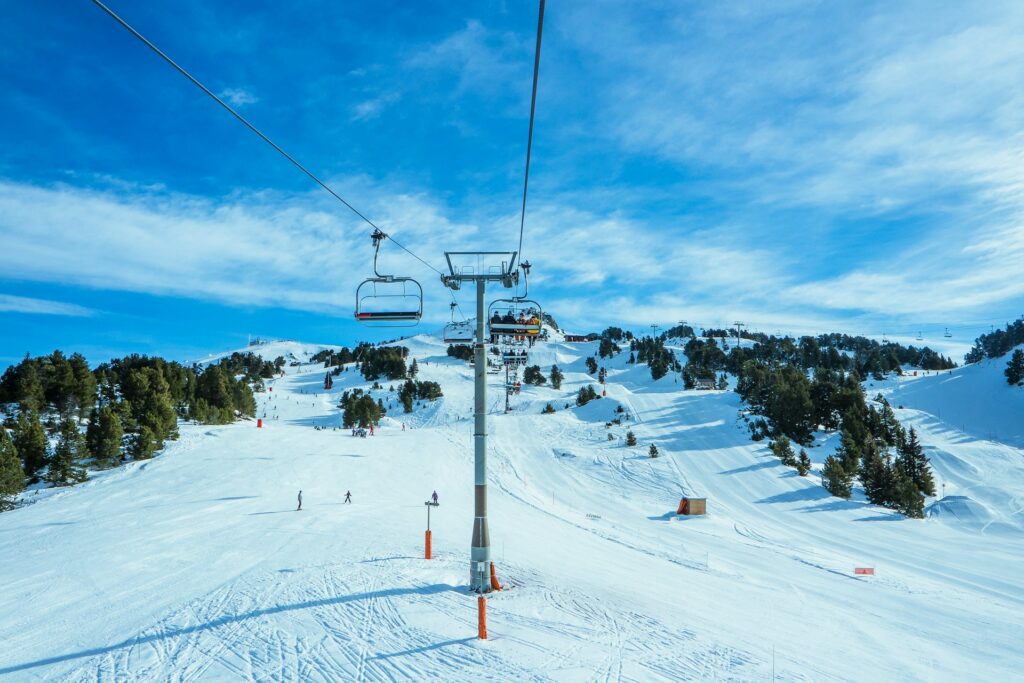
(195, 567)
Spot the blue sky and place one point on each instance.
(801, 166)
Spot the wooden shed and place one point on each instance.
(692, 506)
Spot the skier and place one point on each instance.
(348, 496)
(300, 501)
(371, 430)
(433, 498)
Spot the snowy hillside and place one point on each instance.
(196, 565)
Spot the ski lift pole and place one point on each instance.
(480, 551)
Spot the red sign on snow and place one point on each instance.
(867, 571)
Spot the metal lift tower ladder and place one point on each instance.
(480, 267)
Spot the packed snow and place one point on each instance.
(196, 565)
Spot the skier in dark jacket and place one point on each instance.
(300, 501)
(433, 498)
(348, 496)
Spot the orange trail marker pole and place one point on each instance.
(481, 617)
(427, 549)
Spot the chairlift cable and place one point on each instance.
(254, 129)
(529, 139)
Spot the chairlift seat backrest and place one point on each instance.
(389, 301)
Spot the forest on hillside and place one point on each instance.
(60, 417)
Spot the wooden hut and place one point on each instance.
(692, 506)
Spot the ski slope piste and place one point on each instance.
(196, 566)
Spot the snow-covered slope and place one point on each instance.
(974, 399)
(196, 566)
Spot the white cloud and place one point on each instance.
(238, 97)
(372, 108)
(296, 252)
(301, 253)
(19, 304)
(904, 102)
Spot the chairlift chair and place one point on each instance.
(948, 334)
(388, 300)
(523, 317)
(526, 317)
(458, 332)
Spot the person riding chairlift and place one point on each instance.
(495, 320)
(534, 321)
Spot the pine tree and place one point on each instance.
(31, 443)
(61, 385)
(849, 452)
(407, 395)
(905, 497)
(414, 368)
(29, 388)
(723, 382)
(653, 451)
(875, 476)
(548, 408)
(70, 448)
(835, 479)
(1015, 368)
(783, 450)
(103, 437)
(556, 377)
(585, 395)
(915, 464)
(12, 477)
(144, 444)
(533, 375)
(85, 385)
(630, 438)
(591, 365)
(803, 463)
(602, 375)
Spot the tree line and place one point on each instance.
(59, 416)
(997, 343)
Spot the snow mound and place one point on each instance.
(961, 509)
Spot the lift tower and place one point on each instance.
(480, 267)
